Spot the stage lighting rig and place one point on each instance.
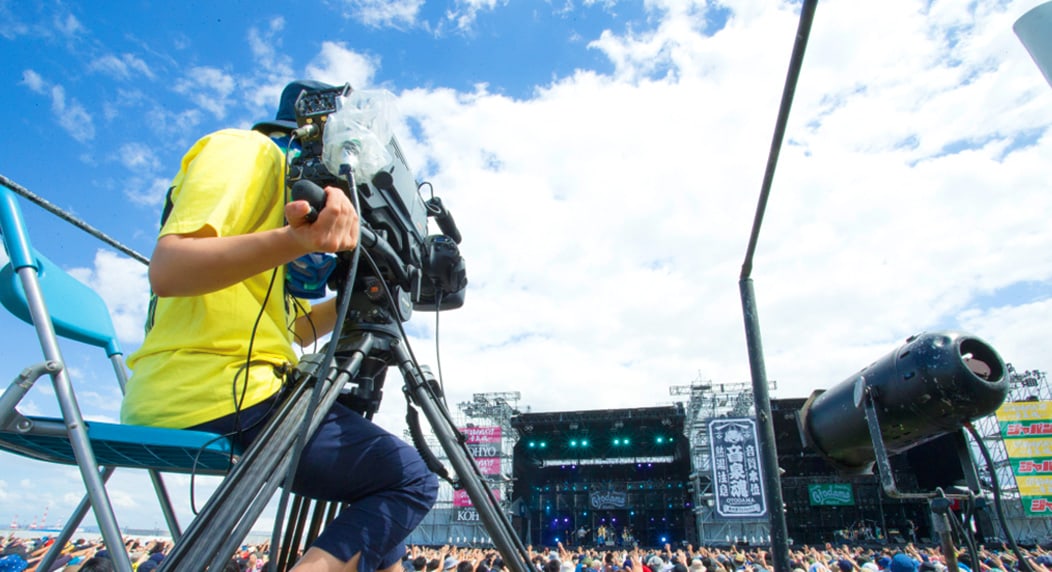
(932, 385)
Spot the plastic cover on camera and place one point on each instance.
(357, 134)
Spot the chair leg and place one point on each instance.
(75, 427)
(166, 505)
(97, 494)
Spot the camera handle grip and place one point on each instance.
(306, 190)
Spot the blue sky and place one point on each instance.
(602, 159)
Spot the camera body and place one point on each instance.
(424, 272)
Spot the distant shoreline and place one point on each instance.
(253, 537)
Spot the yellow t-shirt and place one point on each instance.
(190, 367)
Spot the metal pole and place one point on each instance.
(50, 207)
(765, 429)
(765, 425)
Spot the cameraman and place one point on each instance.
(220, 330)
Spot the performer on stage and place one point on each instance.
(221, 325)
(626, 538)
(582, 536)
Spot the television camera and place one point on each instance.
(425, 270)
(345, 142)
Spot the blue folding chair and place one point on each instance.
(40, 293)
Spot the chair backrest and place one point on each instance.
(77, 311)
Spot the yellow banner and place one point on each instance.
(1029, 448)
(1025, 411)
(1034, 486)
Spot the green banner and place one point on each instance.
(1031, 466)
(831, 494)
(1017, 429)
(1027, 430)
(1038, 506)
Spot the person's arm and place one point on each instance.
(199, 263)
(637, 561)
(320, 321)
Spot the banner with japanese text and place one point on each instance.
(1026, 427)
(736, 474)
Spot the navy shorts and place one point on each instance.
(383, 482)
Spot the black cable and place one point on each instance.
(310, 322)
(438, 353)
(438, 298)
(343, 306)
(239, 402)
(998, 505)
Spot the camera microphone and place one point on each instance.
(443, 218)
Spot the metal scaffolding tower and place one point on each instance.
(711, 400)
(495, 409)
(1023, 386)
(449, 524)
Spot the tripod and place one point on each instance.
(372, 343)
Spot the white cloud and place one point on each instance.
(264, 43)
(12, 27)
(148, 191)
(174, 126)
(273, 68)
(138, 156)
(68, 25)
(464, 12)
(209, 88)
(1020, 333)
(384, 13)
(69, 114)
(122, 67)
(123, 284)
(336, 64)
(33, 81)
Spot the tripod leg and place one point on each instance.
(422, 393)
(297, 516)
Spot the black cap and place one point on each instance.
(285, 120)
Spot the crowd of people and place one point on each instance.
(91, 555)
(19, 555)
(830, 558)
